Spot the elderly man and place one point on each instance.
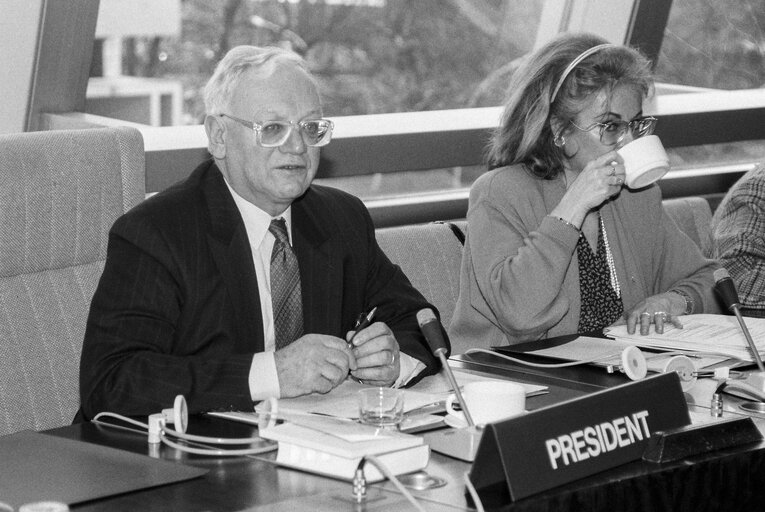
(245, 281)
(738, 237)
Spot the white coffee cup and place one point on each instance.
(489, 401)
(645, 161)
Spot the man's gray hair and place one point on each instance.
(237, 61)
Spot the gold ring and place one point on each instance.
(619, 181)
(645, 313)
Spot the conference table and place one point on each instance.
(728, 479)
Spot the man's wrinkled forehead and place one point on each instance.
(283, 80)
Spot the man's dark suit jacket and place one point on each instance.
(177, 309)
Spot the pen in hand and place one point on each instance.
(362, 323)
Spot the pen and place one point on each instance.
(362, 323)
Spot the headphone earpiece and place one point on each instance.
(634, 365)
(178, 415)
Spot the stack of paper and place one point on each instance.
(701, 334)
(343, 401)
(336, 452)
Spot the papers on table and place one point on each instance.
(608, 352)
(326, 452)
(439, 383)
(342, 401)
(585, 348)
(705, 334)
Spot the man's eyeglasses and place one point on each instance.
(613, 132)
(271, 134)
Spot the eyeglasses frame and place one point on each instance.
(257, 127)
(629, 128)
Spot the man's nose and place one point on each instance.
(295, 142)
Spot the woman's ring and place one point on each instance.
(661, 314)
(612, 171)
(645, 313)
(619, 181)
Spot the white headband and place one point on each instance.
(575, 63)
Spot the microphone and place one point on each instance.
(726, 288)
(431, 329)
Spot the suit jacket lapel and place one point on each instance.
(231, 251)
(320, 267)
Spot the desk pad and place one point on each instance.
(39, 467)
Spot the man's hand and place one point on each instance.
(377, 355)
(314, 363)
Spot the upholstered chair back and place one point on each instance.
(60, 192)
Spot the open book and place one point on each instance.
(701, 334)
(336, 452)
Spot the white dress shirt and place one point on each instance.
(263, 379)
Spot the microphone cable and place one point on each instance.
(633, 363)
(157, 430)
(543, 365)
(202, 442)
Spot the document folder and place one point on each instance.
(41, 467)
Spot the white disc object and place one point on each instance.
(633, 363)
(268, 411)
(180, 414)
(684, 367)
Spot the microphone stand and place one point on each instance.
(749, 339)
(461, 443)
(754, 384)
(453, 382)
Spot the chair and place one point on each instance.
(61, 192)
(430, 255)
(693, 216)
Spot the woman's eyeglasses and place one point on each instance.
(271, 134)
(613, 132)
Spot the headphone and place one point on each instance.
(160, 431)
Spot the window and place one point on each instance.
(371, 56)
(714, 44)
(392, 56)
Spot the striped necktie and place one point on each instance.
(286, 297)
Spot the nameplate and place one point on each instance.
(568, 441)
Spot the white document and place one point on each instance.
(343, 401)
(704, 334)
(439, 383)
(607, 353)
(585, 348)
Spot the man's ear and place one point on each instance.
(216, 136)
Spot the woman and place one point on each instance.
(556, 245)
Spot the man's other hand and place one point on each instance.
(378, 361)
(314, 363)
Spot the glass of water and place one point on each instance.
(381, 407)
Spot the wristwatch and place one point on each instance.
(689, 303)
